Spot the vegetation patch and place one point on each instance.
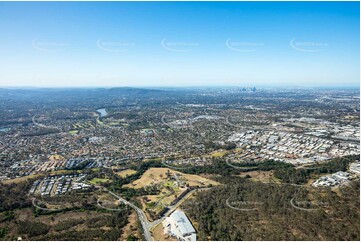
(96, 181)
(246, 210)
(125, 173)
(73, 131)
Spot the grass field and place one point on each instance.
(64, 172)
(131, 228)
(126, 173)
(153, 159)
(159, 235)
(56, 157)
(82, 125)
(108, 200)
(218, 154)
(170, 184)
(158, 175)
(73, 131)
(262, 176)
(96, 181)
(19, 179)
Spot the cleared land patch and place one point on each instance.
(20, 179)
(262, 176)
(96, 181)
(158, 175)
(126, 173)
(158, 233)
(220, 153)
(165, 186)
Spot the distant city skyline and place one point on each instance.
(179, 44)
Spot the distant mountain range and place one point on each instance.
(76, 93)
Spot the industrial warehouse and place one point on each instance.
(178, 225)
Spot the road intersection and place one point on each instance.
(146, 225)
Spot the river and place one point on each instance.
(102, 112)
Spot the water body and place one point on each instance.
(208, 117)
(102, 112)
(4, 129)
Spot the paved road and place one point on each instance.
(43, 125)
(141, 215)
(148, 226)
(41, 208)
(174, 207)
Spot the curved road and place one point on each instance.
(141, 215)
(148, 226)
(43, 125)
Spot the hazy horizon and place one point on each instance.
(179, 44)
(188, 87)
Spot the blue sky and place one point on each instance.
(179, 44)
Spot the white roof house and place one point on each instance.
(179, 226)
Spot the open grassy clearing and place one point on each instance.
(82, 125)
(125, 173)
(65, 172)
(159, 175)
(73, 131)
(20, 179)
(96, 181)
(220, 153)
(108, 201)
(158, 234)
(56, 157)
(131, 230)
(261, 176)
(169, 184)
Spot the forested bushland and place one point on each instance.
(94, 225)
(299, 176)
(19, 218)
(284, 171)
(287, 173)
(94, 230)
(14, 195)
(218, 166)
(223, 212)
(32, 229)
